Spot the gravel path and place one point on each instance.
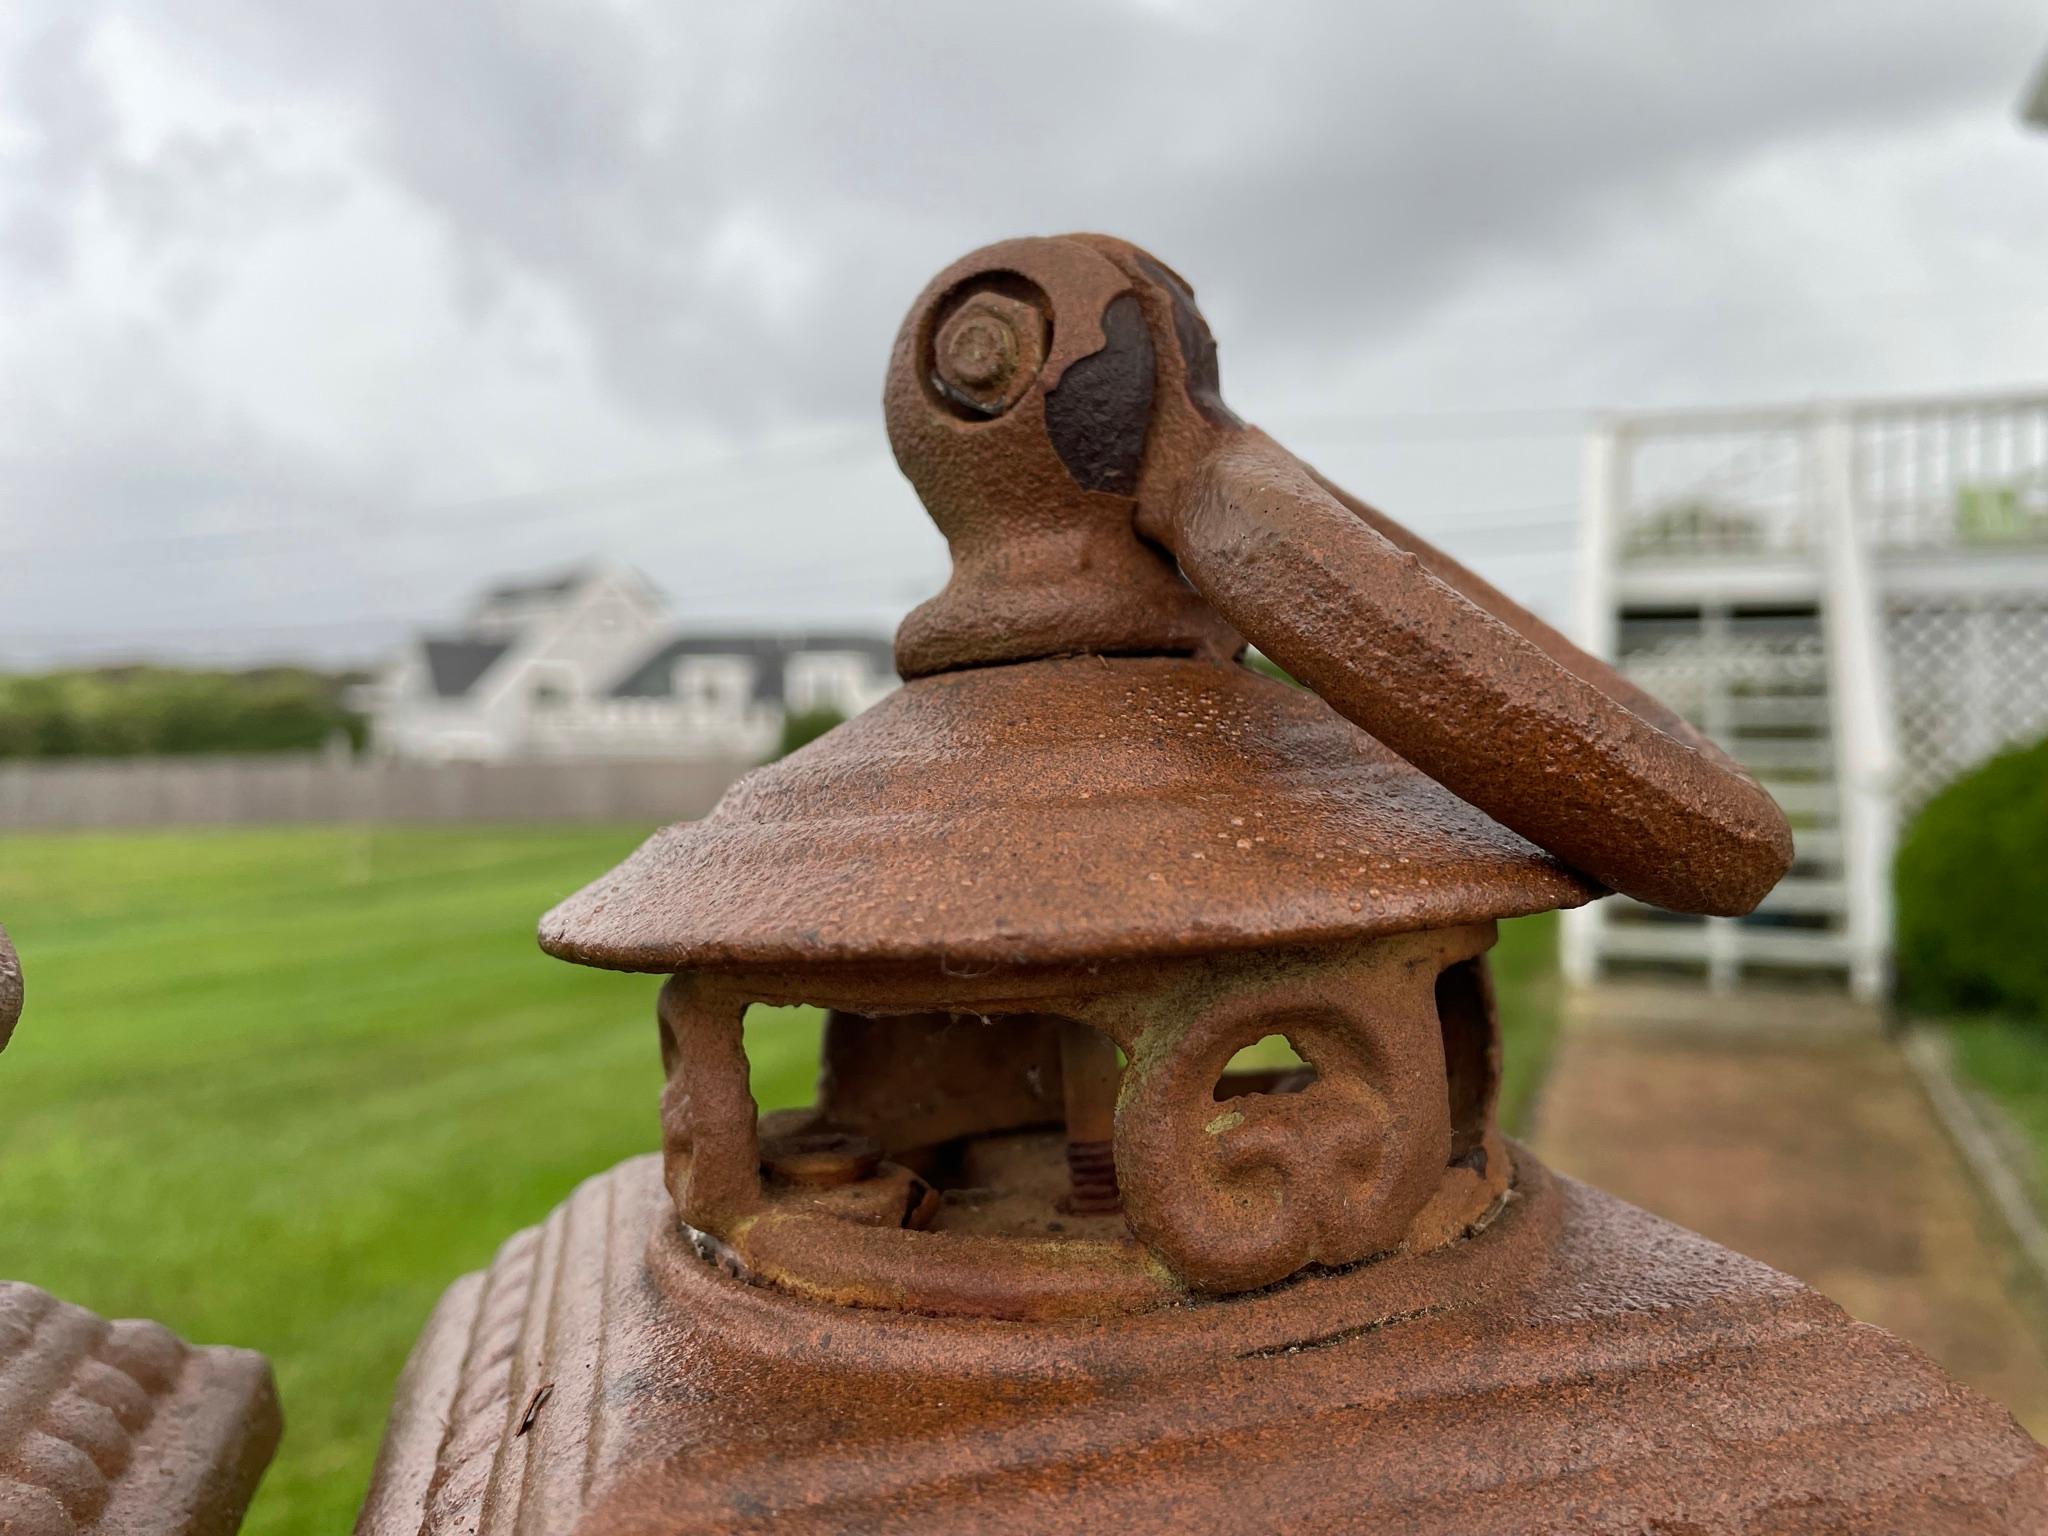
(1788, 1127)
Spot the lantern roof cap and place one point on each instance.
(1062, 812)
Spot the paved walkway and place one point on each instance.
(1788, 1127)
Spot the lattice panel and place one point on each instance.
(1969, 678)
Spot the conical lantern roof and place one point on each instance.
(1061, 811)
(1079, 769)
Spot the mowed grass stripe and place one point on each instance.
(279, 1087)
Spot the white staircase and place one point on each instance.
(1852, 599)
(1755, 679)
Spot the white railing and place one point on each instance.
(1859, 694)
(1968, 472)
(1941, 474)
(1912, 534)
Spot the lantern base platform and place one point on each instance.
(1580, 1365)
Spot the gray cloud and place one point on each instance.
(1337, 171)
(613, 238)
(69, 123)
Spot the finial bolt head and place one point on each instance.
(988, 351)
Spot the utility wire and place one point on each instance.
(722, 476)
(743, 469)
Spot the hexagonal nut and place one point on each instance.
(988, 351)
(820, 1158)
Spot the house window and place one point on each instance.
(715, 686)
(821, 680)
(551, 687)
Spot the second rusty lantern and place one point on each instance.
(1050, 887)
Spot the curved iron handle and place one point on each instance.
(1542, 737)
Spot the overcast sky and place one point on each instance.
(314, 314)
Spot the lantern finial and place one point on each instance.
(1099, 497)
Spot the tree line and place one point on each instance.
(146, 711)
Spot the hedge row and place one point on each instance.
(149, 711)
(1972, 893)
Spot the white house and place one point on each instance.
(1852, 599)
(589, 664)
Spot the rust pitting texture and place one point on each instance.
(1585, 1367)
(1084, 817)
(1063, 811)
(1038, 805)
(1045, 1253)
(121, 1429)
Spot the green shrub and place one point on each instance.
(138, 711)
(803, 726)
(1972, 892)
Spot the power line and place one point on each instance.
(743, 468)
(724, 475)
(1438, 426)
(858, 592)
(1473, 520)
(860, 589)
(1544, 523)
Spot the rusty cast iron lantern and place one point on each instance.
(1054, 884)
(1037, 1259)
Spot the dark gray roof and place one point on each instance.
(548, 586)
(655, 677)
(454, 663)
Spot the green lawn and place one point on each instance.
(1528, 995)
(2007, 1060)
(278, 1088)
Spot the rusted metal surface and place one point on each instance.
(1039, 1257)
(1062, 812)
(1583, 1367)
(11, 992)
(1082, 817)
(974, 1210)
(120, 1429)
(1035, 806)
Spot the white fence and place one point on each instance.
(171, 791)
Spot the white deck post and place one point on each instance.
(1723, 943)
(1860, 699)
(1603, 493)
